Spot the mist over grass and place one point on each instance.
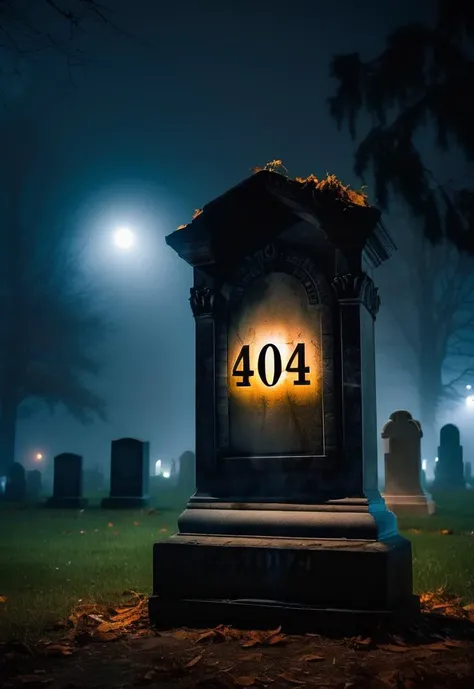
(52, 560)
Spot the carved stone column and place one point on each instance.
(202, 300)
(358, 305)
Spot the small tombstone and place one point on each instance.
(129, 474)
(449, 469)
(67, 482)
(34, 484)
(404, 494)
(187, 473)
(15, 487)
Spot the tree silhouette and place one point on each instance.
(30, 28)
(431, 298)
(49, 326)
(422, 82)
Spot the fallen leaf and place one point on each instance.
(110, 525)
(311, 658)
(244, 681)
(136, 523)
(389, 677)
(469, 607)
(163, 530)
(256, 639)
(277, 640)
(440, 646)
(107, 636)
(363, 642)
(393, 648)
(452, 643)
(209, 634)
(58, 650)
(183, 635)
(194, 661)
(447, 532)
(291, 679)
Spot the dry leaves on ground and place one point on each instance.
(248, 638)
(94, 622)
(3, 599)
(443, 603)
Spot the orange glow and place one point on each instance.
(285, 336)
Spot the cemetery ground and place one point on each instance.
(73, 588)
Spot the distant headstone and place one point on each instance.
(129, 474)
(404, 494)
(34, 484)
(187, 473)
(449, 469)
(67, 481)
(15, 487)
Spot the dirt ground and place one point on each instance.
(100, 649)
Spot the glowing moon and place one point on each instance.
(123, 238)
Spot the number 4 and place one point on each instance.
(245, 373)
(300, 368)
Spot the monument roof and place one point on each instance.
(261, 207)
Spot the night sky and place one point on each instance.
(166, 117)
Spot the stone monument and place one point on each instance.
(449, 469)
(287, 525)
(15, 486)
(404, 494)
(67, 482)
(129, 474)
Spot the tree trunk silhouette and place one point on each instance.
(7, 430)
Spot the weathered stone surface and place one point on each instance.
(286, 435)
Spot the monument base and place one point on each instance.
(410, 505)
(66, 503)
(304, 584)
(117, 503)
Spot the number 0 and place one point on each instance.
(277, 370)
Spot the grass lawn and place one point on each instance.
(52, 559)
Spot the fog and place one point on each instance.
(164, 117)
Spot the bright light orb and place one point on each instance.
(470, 401)
(38, 457)
(123, 238)
(166, 474)
(468, 387)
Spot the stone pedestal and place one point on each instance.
(300, 583)
(286, 525)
